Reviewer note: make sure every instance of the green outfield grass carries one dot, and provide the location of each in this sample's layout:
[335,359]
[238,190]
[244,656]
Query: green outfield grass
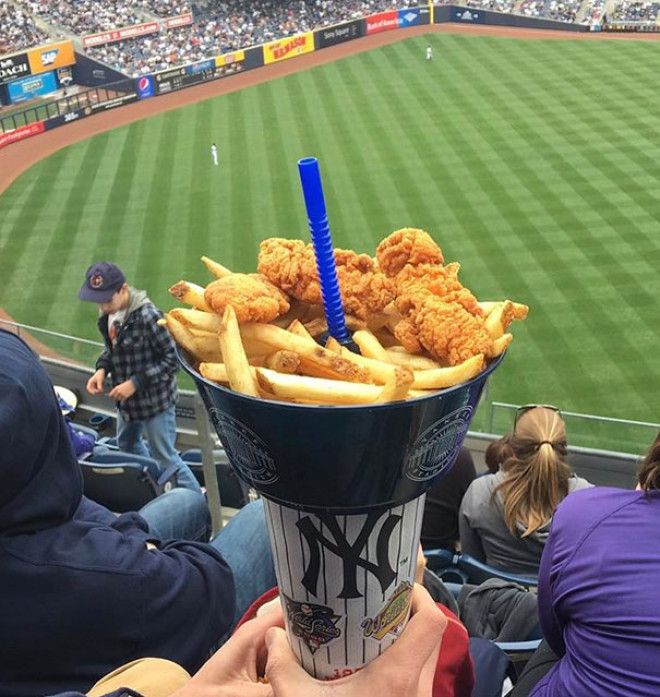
[536,164]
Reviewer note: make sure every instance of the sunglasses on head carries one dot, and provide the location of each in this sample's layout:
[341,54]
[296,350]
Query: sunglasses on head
[528,407]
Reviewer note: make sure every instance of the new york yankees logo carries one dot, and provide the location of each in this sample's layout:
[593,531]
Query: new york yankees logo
[350,554]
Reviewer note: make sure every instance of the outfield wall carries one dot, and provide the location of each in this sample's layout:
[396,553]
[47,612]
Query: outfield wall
[228,64]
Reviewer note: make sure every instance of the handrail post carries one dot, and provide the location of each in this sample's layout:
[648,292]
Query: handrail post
[208,465]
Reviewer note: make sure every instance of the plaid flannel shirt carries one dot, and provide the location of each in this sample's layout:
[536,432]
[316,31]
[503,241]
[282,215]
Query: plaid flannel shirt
[144,353]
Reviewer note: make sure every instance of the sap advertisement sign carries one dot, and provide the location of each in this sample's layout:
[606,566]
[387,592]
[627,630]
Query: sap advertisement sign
[32,86]
[145,86]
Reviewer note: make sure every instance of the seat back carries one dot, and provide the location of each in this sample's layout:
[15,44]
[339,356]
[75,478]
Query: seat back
[102,456]
[119,486]
[462,568]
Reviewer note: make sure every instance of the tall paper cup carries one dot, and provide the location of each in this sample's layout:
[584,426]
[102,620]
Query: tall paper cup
[344,490]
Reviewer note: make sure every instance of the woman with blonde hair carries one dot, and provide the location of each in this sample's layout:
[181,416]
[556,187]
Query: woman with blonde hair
[505,517]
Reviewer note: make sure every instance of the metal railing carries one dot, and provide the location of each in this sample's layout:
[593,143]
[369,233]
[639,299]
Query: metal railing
[492,417]
[91,99]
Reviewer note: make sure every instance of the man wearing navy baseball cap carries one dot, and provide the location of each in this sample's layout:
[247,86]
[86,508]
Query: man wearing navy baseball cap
[140,360]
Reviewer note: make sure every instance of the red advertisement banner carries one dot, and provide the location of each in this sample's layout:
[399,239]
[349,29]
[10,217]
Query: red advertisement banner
[32,129]
[107,37]
[384,21]
[179,21]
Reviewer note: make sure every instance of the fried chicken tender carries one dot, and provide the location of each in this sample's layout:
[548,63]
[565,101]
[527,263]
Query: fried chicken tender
[440,315]
[407,246]
[252,296]
[291,266]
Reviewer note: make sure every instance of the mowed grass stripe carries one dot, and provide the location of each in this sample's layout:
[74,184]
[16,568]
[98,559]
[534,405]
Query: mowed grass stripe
[54,269]
[150,252]
[322,136]
[43,196]
[618,345]
[599,257]
[502,200]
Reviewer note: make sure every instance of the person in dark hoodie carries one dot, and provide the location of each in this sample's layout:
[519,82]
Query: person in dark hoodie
[505,517]
[141,361]
[83,591]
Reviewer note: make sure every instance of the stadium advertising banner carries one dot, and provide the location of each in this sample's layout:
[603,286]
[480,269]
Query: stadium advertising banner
[145,86]
[21,133]
[384,21]
[462,14]
[108,37]
[332,36]
[288,48]
[13,67]
[50,57]
[414,16]
[32,86]
[111,104]
[179,21]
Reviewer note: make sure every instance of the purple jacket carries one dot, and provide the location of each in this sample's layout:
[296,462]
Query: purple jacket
[599,604]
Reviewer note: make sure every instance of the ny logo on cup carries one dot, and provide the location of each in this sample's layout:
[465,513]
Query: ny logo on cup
[349,554]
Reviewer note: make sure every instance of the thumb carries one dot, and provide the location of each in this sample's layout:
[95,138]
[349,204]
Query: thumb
[283,671]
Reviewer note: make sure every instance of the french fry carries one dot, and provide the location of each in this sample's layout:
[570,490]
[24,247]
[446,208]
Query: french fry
[370,346]
[333,345]
[501,344]
[283,361]
[441,378]
[239,372]
[318,325]
[397,387]
[190,294]
[520,311]
[499,319]
[217,270]
[217,372]
[316,390]
[376,371]
[196,319]
[298,328]
[331,364]
[411,360]
[180,334]
[207,348]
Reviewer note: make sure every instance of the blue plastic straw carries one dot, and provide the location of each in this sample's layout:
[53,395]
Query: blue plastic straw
[310,178]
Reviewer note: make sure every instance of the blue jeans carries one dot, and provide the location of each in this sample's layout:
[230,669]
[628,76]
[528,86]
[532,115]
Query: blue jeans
[161,434]
[243,542]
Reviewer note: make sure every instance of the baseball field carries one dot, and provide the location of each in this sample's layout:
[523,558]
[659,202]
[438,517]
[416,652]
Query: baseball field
[536,164]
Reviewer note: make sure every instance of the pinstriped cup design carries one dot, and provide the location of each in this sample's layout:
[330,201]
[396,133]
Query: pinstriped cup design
[345,581]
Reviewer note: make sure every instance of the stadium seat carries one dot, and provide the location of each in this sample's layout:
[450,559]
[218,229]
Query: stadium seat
[124,482]
[462,568]
[85,430]
[233,492]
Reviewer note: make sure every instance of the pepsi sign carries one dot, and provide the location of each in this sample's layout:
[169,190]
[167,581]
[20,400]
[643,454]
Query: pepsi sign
[145,86]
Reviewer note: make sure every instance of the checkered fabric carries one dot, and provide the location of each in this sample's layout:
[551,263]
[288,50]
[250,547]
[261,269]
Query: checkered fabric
[142,352]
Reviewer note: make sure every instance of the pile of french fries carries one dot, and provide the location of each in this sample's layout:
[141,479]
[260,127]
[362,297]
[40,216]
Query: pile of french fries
[283,360]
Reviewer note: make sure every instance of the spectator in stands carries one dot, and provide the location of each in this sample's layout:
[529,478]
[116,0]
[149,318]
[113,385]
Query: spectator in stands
[18,30]
[497,453]
[505,517]
[83,591]
[440,523]
[141,360]
[598,594]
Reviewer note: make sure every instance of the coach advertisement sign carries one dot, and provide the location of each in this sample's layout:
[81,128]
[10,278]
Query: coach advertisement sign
[13,67]
[288,48]
[339,33]
[384,21]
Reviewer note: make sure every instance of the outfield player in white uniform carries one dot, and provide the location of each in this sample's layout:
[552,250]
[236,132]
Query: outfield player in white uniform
[429,53]
[214,154]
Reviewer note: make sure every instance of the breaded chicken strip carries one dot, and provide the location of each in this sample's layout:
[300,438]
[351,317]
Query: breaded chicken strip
[291,266]
[252,296]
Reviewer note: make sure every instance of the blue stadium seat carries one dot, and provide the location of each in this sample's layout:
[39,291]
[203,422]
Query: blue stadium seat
[462,568]
[85,429]
[123,484]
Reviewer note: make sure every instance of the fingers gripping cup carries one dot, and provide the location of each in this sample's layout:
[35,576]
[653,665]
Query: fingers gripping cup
[344,492]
